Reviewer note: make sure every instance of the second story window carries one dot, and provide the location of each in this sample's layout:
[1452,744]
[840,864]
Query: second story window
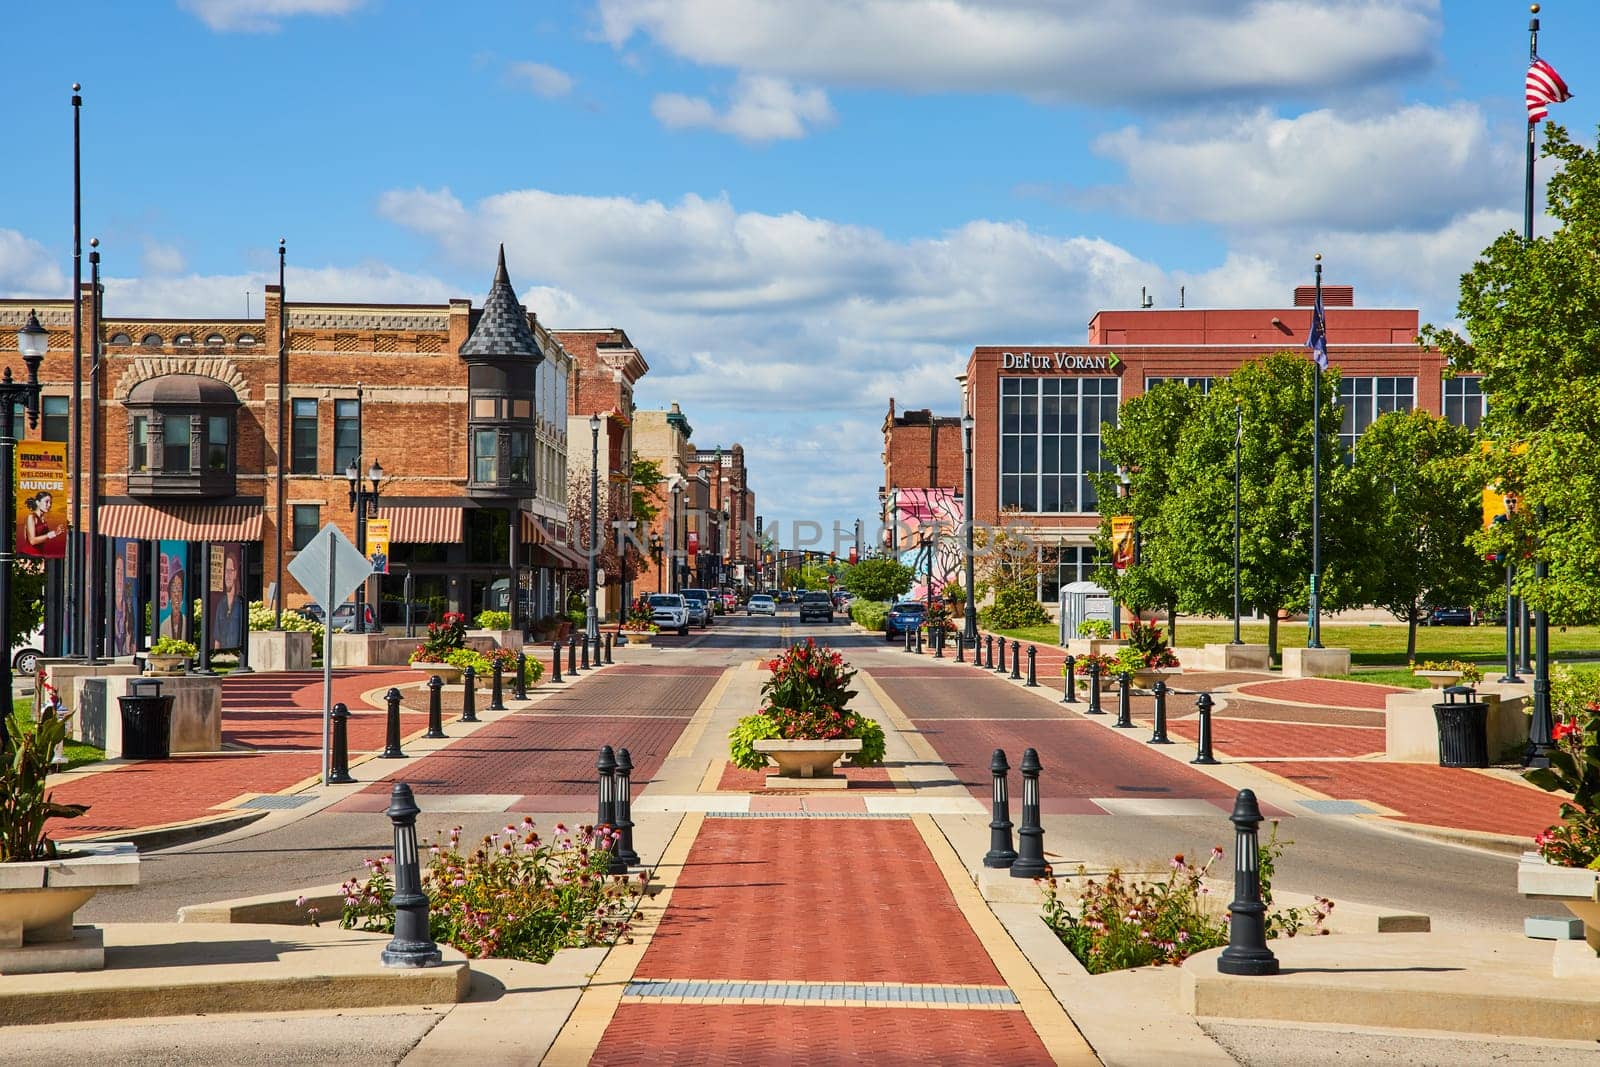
[181,437]
[485,456]
[55,418]
[1464,402]
[175,435]
[500,431]
[346,434]
[303,447]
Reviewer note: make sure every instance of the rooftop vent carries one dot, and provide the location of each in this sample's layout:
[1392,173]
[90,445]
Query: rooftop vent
[1333,296]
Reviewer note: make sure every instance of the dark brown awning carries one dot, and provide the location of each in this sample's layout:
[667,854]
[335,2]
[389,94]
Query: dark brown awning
[182,522]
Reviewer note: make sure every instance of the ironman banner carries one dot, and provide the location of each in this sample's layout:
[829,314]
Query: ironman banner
[41,499]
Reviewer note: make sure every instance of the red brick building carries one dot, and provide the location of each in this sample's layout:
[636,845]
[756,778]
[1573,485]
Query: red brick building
[1039,408]
[921,452]
[725,525]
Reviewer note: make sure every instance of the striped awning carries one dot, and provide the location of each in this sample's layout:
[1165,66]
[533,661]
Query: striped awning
[182,522]
[423,524]
[546,548]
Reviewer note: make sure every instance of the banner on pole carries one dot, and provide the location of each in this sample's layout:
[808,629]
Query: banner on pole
[378,545]
[1121,542]
[41,499]
[225,597]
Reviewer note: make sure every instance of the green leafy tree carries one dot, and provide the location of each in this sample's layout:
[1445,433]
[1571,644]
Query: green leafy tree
[647,478]
[1418,471]
[879,578]
[1529,311]
[27,597]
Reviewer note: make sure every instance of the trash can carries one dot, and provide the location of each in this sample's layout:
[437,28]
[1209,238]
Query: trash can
[146,720]
[1463,728]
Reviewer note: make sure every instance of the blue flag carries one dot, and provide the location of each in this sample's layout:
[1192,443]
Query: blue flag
[1318,341]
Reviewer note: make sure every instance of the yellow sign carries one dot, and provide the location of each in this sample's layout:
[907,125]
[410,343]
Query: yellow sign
[378,545]
[1496,505]
[41,499]
[1121,542]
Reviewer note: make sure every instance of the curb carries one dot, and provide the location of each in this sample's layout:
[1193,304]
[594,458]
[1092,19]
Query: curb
[1503,844]
[159,837]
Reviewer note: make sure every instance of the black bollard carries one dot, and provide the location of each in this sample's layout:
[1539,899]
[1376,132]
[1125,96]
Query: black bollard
[412,945]
[1203,741]
[1016,661]
[1000,855]
[391,732]
[598,646]
[1000,667]
[961,647]
[1159,736]
[497,688]
[623,856]
[1124,701]
[1069,691]
[909,639]
[339,756]
[1030,835]
[1033,678]
[605,768]
[520,686]
[555,662]
[1247,952]
[1094,707]
[469,699]
[938,643]
[572,656]
[583,662]
[609,639]
[919,640]
[988,651]
[435,707]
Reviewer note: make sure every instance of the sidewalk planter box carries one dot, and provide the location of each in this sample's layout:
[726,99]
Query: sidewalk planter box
[1146,679]
[511,639]
[447,674]
[639,638]
[194,724]
[64,675]
[373,650]
[1093,646]
[166,666]
[280,650]
[1411,730]
[1576,887]
[807,760]
[1316,662]
[1439,679]
[1231,657]
[38,900]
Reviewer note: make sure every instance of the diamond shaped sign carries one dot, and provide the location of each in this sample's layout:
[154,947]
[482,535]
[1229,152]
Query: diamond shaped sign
[330,568]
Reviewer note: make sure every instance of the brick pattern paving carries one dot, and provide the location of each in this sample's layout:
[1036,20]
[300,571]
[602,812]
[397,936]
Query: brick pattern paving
[618,692]
[1240,708]
[303,689]
[1324,691]
[738,780]
[1243,739]
[1440,796]
[959,695]
[155,792]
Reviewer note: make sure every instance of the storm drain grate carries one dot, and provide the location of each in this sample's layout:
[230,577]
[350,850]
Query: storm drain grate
[276,803]
[790,992]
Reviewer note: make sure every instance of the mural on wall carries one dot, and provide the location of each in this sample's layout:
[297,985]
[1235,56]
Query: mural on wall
[926,511]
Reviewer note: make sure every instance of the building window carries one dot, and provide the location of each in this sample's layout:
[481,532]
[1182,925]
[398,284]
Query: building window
[152,340]
[56,419]
[1071,563]
[485,456]
[1464,402]
[1364,399]
[218,447]
[346,434]
[183,339]
[1202,384]
[139,450]
[246,340]
[521,471]
[303,446]
[120,339]
[215,340]
[175,436]
[307,521]
[1050,441]
[181,436]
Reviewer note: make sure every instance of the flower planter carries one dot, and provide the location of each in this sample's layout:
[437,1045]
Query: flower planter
[1576,887]
[1439,679]
[159,665]
[1146,679]
[447,674]
[800,761]
[641,638]
[38,900]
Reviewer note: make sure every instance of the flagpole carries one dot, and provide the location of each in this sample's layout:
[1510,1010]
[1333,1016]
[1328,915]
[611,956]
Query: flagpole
[1540,742]
[1527,187]
[1314,631]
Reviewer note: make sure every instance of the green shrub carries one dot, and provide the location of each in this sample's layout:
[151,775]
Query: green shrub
[173,646]
[493,620]
[1014,607]
[462,658]
[579,618]
[444,637]
[872,744]
[262,618]
[745,734]
[1098,629]
[25,807]
[869,614]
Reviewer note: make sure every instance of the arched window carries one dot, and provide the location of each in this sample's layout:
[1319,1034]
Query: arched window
[120,339]
[215,340]
[183,339]
[246,340]
[152,340]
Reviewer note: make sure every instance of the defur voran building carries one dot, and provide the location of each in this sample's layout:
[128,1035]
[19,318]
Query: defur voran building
[1039,408]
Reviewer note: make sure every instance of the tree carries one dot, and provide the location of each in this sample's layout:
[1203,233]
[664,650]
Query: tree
[647,478]
[879,578]
[1005,554]
[1418,471]
[1196,514]
[1529,310]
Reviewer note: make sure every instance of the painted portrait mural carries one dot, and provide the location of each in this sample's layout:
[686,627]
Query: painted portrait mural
[924,511]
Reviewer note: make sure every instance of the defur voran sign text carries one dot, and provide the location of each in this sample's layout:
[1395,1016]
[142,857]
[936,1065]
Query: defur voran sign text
[1063,361]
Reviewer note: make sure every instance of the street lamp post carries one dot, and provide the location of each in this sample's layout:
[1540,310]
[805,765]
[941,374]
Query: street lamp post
[1124,486]
[625,538]
[32,341]
[655,556]
[1238,444]
[970,629]
[1510,677]
[672,547]
[364,502]
[592,627]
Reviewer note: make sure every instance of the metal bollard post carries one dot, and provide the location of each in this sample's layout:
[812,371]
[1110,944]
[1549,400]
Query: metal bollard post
[988,651]
[391,732]
[605,768]
[622,796]
[1247,952]
[1159,736]
[908,640]
[1033,678]
[339,756]
[919,640]
[1016,661]
[555,662]
[1000,667]
[1030,835]
[598,648]
[1069,691]
[412,945]
[610,640]
[497,688]
[469,699]
[584,661]
[520,686]
[1000,855]
[938,643]
[1094,707]
[572,656]
[435,707]
[961,647]
[1124,702]
[1203,742]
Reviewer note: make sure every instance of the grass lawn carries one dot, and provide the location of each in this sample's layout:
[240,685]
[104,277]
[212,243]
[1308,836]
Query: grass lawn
[77,753]
[1372,644]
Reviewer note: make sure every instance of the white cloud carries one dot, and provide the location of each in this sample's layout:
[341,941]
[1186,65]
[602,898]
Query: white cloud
[159,258]
[261,16]
[1104,53]
[224,294]
[26,268]
[547,81]
[761,109]
[1419,166]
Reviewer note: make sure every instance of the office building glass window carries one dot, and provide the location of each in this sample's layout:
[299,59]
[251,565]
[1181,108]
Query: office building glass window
[1063,565]
[303,445]
[55,420]
[346,434]
[1464,402]
[139,458]
[1050,439]
[1202,384]
[485,456]
[1362,400]
[175,445]
[307,521]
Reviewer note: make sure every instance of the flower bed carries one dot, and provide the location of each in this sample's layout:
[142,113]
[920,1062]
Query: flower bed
[805,698]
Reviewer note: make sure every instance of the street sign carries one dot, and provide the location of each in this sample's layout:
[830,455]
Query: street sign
[330,566]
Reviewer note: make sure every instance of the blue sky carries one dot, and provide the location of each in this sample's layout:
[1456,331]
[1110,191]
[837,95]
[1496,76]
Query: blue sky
[796,208]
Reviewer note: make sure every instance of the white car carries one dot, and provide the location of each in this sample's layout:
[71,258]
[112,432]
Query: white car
[26,652]
[670,612]
[761,604]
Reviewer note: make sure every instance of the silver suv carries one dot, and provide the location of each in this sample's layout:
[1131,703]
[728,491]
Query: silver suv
[699,601]
[668,611]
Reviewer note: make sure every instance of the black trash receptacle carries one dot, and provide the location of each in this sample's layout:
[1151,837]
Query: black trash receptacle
[1463,728]
[146,720]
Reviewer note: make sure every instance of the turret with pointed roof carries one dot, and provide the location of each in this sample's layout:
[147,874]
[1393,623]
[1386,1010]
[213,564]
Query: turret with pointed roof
[502,331]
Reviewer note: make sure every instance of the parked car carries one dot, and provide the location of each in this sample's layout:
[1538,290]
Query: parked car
[816,605]
[761,604]
[344,616]
[700,609]
[670,612]
[1449,617]
[26,652]
[903,618]
[730,601]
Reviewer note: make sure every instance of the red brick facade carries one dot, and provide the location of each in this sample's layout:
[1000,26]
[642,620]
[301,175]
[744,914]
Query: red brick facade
[921,450]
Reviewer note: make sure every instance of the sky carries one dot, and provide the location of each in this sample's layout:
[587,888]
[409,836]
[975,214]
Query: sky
[795,208]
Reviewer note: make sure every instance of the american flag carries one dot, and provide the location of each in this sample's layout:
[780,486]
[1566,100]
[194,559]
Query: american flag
[1544,87]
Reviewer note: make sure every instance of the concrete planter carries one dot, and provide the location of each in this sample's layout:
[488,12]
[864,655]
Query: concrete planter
[38,900]
[1576,887]
[807,761]
[1439,679]
[1094,646]
[447,674]
[280,650]
[639,638]
[165,665]
[1146,679]
[1316,662]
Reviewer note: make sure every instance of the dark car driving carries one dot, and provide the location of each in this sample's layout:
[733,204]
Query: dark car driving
[1450,617]
[816,606]
[903,618]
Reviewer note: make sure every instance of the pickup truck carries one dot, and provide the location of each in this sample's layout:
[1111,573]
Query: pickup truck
[670,612]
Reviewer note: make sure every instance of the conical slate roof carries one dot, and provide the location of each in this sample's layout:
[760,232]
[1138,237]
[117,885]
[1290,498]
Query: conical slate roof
[502,330]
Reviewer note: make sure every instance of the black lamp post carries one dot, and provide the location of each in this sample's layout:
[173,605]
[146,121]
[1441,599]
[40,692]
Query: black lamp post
[1511,602]
[33,342]
[592,624]
[970,629]
[364,502]
[1238,444]
[655,557]
[672,549]
[1124,486]
[625,529]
